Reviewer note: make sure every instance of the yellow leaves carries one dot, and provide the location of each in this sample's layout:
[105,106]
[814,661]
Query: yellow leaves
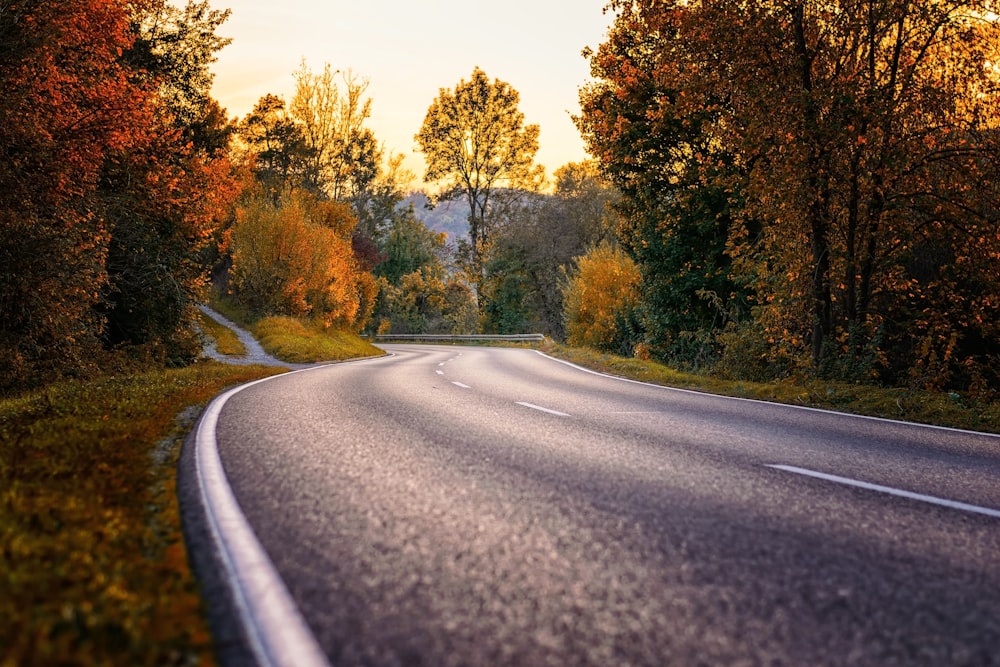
[601,289]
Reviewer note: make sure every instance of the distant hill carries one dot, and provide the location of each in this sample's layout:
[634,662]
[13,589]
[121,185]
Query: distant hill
[452,217]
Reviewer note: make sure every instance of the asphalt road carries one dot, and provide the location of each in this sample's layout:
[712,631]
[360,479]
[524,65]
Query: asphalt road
[474,506]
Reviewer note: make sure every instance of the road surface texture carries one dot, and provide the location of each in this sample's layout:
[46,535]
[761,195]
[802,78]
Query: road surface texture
[475,506]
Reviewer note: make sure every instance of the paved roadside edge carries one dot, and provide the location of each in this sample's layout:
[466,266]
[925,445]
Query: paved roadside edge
[252,616]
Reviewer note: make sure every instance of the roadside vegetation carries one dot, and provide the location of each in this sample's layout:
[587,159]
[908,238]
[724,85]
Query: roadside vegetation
[95,568]
[299,342]
[948,409]
[90,536]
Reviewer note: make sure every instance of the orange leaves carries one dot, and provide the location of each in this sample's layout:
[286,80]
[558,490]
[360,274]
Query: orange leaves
[288,260]
[67,104]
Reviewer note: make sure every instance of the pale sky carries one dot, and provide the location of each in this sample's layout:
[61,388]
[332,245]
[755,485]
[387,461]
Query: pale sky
[409,50]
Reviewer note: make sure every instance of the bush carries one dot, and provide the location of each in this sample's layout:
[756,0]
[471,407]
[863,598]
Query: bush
[600,296]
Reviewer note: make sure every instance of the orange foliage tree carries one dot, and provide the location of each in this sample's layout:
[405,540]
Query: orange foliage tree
[294,257]
[599,296]
[68,103]
[106,190]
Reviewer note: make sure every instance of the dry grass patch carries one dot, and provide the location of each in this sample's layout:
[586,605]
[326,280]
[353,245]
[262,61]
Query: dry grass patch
[226,340]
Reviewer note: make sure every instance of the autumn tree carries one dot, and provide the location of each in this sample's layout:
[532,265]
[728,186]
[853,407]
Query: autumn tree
[166,194]
[854,146]
[294,257]
[343,154]
[106,188]
[676,178]
[68,103]
[600,293]
[475,141]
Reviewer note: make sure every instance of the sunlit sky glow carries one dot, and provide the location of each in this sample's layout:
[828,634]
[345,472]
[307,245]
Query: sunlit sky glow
[410,50]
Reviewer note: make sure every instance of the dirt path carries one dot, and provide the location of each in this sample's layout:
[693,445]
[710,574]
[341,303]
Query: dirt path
[255,353]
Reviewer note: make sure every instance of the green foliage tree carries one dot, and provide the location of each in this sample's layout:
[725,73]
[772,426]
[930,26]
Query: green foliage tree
[677,179]
[278,150]
[409,246]
[535,241]
[178,46]
[475,141]
[419,294]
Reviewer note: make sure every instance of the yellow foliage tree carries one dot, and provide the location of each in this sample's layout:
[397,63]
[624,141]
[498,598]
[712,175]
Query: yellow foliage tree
[599,293]
[294,257]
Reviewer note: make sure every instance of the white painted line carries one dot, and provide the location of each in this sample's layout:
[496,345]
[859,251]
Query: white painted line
[740,399]
[278,634]
[953,504]
[439,372]
[463,386]
[538,407]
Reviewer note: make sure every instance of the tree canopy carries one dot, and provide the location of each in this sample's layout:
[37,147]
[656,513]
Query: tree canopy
[847,153]
[474,140]
[106,191]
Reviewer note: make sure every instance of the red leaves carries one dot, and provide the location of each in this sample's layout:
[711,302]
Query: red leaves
[83,148]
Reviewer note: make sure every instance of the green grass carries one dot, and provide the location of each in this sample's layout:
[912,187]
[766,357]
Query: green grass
[94,567]
[949,409]
[298,341]
[226,340]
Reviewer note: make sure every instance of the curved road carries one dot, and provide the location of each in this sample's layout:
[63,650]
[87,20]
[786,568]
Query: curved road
[476,506]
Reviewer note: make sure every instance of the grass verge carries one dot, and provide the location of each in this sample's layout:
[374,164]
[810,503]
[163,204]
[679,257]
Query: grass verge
[94,565]
[299,342]
[951,409]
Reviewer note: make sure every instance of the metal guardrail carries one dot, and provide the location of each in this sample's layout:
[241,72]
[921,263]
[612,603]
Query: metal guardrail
[519,338]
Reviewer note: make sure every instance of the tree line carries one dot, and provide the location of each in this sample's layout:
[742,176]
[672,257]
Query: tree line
[808,187]
[126,193]
[776,188]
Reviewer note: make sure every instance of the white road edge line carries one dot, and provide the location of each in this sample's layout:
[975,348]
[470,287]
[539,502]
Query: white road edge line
[278,634]
[538,407]
[953,504]
[790,406]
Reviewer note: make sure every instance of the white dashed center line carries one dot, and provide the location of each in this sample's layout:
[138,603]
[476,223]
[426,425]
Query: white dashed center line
[463,386]
[538,407]
[952,504]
